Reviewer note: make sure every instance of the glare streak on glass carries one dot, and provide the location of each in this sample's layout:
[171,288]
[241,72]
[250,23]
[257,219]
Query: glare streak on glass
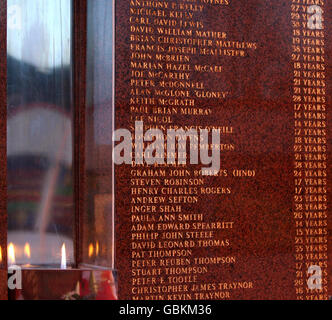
[39,130]
[98,219]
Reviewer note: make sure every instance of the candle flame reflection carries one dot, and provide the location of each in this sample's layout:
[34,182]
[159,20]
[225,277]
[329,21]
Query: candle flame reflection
[11,254]
[91,249]
[63,257]
[27,250]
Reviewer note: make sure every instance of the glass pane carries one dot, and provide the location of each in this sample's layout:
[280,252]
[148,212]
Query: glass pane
[98,215]
[40,128]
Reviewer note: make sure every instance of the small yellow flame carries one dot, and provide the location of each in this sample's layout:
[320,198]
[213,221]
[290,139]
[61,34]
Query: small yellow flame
[91,249]
[27,250]
[0,254]
[97,248]
[11,254]
[63,257]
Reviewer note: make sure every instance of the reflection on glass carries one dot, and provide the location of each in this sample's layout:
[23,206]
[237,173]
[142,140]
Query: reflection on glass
[97,226]
[39,129]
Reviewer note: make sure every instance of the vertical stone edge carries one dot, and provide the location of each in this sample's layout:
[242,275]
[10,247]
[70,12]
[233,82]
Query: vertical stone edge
[3,152]
[79,100]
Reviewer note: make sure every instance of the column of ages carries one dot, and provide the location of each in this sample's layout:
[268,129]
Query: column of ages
[310,162]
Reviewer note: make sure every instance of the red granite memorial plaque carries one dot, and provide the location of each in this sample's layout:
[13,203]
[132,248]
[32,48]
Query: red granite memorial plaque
[222,189]
[259,72]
